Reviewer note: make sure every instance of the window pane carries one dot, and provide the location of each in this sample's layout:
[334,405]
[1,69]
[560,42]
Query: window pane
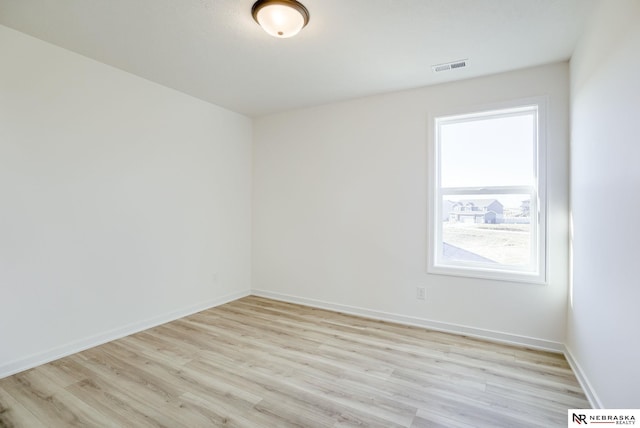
[490,229]
[494,151]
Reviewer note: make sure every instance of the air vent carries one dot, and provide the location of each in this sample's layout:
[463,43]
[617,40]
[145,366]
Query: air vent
[450,65]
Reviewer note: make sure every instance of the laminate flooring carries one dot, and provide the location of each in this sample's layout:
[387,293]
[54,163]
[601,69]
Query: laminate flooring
[257,362]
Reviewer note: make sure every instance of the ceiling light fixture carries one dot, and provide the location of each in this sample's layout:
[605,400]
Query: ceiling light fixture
[280,18]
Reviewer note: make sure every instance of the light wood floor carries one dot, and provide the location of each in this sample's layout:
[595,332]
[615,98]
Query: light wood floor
[260,363]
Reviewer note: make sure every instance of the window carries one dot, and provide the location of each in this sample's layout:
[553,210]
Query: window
[487,194]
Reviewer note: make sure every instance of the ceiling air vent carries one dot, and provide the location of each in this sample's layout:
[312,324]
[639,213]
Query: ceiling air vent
[450,65]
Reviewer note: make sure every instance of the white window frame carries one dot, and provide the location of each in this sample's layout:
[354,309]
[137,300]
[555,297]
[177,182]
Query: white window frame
[536,274]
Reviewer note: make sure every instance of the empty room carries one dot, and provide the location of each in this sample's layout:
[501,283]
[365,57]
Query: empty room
[319,213]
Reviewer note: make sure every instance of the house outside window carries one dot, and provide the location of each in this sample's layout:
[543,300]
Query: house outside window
[487,193]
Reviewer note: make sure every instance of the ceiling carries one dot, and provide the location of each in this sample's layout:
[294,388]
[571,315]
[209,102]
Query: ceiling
[213,50]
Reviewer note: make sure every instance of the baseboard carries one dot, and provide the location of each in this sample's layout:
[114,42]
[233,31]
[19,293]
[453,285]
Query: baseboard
[582,379]
[99,339]
[494,336]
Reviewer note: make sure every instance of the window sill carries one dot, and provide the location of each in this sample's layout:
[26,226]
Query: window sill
[489,274]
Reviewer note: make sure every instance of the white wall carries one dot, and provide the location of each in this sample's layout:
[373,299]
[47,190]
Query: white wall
[122,203]
[340,206]
[604,319]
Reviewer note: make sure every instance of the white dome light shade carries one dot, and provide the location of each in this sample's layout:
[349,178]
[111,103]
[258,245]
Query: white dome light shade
[280,18]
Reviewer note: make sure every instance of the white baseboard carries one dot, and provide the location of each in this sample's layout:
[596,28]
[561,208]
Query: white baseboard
[494,336]
[582,379]
[35,360]
[99,339]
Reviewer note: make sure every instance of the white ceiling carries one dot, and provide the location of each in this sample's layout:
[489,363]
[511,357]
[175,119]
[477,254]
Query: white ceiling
[213,50]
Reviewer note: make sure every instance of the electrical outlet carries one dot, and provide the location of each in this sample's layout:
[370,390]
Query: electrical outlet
[420,293]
